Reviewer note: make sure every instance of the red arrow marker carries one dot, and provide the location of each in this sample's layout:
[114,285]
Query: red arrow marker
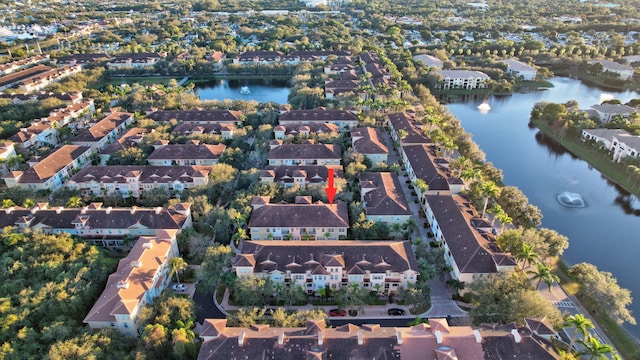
[331,191]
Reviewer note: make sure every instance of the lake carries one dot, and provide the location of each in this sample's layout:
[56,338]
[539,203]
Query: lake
[261,90]
[606,233]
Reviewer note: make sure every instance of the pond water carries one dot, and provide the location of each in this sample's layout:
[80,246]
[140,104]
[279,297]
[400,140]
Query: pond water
[260,90]
[606,232]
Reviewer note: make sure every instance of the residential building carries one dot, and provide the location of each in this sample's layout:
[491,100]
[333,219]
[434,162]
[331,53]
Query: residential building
[303,219]
[299,174]
[337,88]
[406,130]
[134,61]
[606,112]
[13,79]
[343,118]
[7,151]
[382,197]
[625,72]
[52,171]
[194,130]
[421,162]
[620,142]
[342,65]
[289,131]
[129,139]
[462,79]
[82,59]
[469,246]
[17,65]
[383,266]
[104,132]
[369,142]
[67,98]
[191,153]
[428,60]
[521,70]
[139,278]
[258,57]
[134,180]
[42,80]
[98,225]
[198,116]
[216,58]
[433,340]
[270,57]
[307,153]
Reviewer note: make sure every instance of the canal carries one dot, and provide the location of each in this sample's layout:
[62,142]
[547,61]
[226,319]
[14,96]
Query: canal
[607,232]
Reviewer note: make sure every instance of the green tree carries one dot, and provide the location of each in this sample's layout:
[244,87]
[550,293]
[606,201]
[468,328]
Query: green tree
[580,323]
[75,202]
[527,255]
[216,263]
[604,290]
[488,190]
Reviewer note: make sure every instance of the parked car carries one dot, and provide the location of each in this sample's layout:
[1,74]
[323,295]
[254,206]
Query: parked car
[337,312]
[395,312]
[179,287]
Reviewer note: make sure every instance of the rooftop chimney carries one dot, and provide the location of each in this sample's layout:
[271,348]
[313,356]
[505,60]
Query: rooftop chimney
[241,338]
[438,336]
[516,335]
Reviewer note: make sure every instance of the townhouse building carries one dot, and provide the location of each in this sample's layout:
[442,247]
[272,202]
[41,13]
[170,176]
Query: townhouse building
[382,198]
[140,277]
[52,171]
[198,116]
[302,220]
[625,72]
[369,142]
[99,135]
[343,118]
[133,61]
[300,175]
[131,138]
[469,245]
[435,339]
[307,153]
[134,180]
[42,80]
[304,131]
[98,225]
[226,131]
[191,153]
[382,266]
[606,112]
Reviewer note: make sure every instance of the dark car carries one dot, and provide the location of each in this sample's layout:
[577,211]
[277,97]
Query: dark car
[337,312]
[395,312]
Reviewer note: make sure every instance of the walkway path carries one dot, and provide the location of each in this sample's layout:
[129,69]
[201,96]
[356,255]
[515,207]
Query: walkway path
[184,80]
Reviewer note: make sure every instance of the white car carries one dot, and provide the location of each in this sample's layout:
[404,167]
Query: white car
[179,287]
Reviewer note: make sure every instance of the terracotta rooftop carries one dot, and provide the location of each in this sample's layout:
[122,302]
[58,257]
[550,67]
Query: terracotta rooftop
[368,141]
[318,214]
[382,193]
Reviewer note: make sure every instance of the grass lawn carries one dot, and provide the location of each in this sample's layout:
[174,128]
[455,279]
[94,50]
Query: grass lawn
[596,158]
[628,347]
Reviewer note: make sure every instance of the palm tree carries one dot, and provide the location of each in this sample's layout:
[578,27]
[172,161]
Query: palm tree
[495,210]
[487,190]
[177,264]
[186,326]
[7,203]
[504,219]
[527,255]
[543,273]
[594,349]
[580,324]
[397,228]
[75,202]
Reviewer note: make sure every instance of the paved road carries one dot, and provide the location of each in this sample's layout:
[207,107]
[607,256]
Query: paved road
[206,308]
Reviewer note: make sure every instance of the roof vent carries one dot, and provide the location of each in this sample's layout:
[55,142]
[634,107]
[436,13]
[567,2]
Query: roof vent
[123,284]
[147,245]
[399,337]
[136,263]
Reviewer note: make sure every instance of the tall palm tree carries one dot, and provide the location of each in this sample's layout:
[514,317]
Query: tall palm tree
[488,189]
[580,324]
[504,219]
[527,255]
[594,349]
[177,264]
[543,273]
[495,210]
